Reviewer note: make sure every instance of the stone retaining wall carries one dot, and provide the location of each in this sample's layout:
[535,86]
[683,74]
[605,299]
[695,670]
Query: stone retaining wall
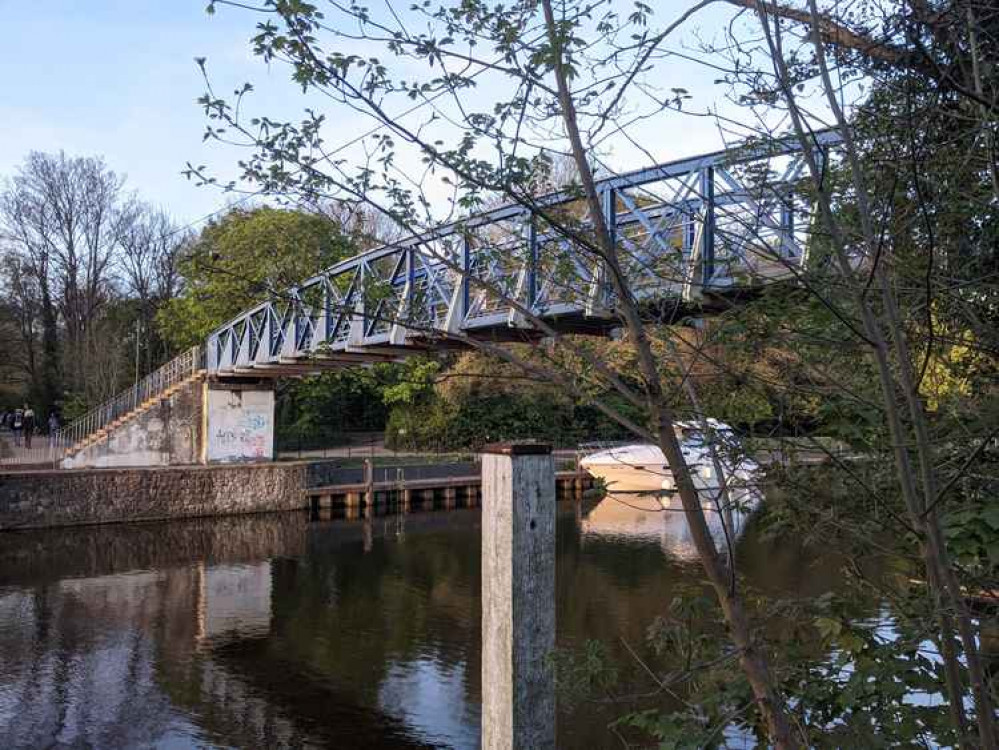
[39,499]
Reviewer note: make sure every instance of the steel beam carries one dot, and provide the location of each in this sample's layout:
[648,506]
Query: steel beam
[277,332]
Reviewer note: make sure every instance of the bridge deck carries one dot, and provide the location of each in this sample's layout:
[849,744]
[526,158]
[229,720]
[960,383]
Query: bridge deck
[693,236]
[687,233]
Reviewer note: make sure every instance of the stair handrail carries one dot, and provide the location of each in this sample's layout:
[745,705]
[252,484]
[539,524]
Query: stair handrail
[179,368]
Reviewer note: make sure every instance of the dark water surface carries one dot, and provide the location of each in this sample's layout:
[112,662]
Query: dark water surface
[276,631]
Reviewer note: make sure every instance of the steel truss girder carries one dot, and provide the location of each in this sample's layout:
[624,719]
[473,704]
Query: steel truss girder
[713,228]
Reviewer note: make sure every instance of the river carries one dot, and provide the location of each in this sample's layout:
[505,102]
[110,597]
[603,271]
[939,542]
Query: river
[279,631]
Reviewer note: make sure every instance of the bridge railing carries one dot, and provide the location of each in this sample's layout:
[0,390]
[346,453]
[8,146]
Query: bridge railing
[733,219]
[179,368]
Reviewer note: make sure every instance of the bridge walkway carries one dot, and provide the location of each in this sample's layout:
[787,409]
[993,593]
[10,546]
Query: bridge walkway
[694,235]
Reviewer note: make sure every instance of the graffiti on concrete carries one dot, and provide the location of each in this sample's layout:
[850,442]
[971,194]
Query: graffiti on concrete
[240,425]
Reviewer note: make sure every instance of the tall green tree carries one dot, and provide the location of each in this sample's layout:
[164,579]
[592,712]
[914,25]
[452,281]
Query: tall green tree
[242,258]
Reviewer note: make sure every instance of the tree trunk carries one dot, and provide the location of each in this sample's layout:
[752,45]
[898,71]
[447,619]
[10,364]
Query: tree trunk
[939,572]
[752,659]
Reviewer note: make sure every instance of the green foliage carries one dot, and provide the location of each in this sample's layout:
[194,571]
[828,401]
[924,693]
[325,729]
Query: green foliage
[243,258]
[423,427]
[970,512]
[579,674]
[315,411]
[471,422]
[477,400]
[74,405]
[972,535]
[413,384]
[772,373]
[672,730]
[741,404]
[872,687]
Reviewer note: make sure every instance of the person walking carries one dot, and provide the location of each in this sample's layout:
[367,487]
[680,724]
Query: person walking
[53,429]
[17,425]
[29,425]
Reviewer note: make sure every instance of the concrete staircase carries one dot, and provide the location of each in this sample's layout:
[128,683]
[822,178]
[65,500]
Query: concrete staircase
[105,432]
[99,423]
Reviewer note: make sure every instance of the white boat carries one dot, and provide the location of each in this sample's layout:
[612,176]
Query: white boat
[642,467]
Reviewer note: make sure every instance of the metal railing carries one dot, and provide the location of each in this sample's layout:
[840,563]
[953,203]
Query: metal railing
[180,368]
[15,452]
[732,220]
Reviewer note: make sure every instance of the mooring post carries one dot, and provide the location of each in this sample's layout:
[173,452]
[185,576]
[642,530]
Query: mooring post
[518,597]
[579,479]
[369,482]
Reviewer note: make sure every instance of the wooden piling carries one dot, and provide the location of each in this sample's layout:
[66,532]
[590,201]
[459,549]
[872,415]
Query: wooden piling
[518,597]
[369,483]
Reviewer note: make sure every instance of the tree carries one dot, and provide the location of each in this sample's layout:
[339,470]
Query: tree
[241,258]
[902,244]
[150,248]
[18,332]
[63,217]
[83,260]
[570,76]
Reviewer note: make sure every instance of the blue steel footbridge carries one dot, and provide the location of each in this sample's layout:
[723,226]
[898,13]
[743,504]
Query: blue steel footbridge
[713,225]
[689,234]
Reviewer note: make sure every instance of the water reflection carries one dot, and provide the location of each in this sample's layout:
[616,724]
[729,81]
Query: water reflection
[234,601]
[273,631]
[659,517]
[429,696]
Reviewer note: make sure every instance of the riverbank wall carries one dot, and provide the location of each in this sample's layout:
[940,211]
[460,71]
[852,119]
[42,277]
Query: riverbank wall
[42,499]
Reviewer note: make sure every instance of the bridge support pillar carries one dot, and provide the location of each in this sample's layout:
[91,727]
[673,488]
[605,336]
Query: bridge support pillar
[238,421]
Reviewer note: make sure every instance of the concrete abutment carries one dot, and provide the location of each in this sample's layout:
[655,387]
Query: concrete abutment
[202,421]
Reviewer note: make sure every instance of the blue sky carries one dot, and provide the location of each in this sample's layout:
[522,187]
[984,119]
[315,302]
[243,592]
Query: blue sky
[117,78]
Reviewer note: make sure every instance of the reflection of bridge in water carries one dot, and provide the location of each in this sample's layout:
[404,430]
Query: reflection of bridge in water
[271,631]
[148,649]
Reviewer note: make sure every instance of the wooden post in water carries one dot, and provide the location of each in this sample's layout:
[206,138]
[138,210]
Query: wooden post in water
[369,483]
[518,597]
[579,478]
